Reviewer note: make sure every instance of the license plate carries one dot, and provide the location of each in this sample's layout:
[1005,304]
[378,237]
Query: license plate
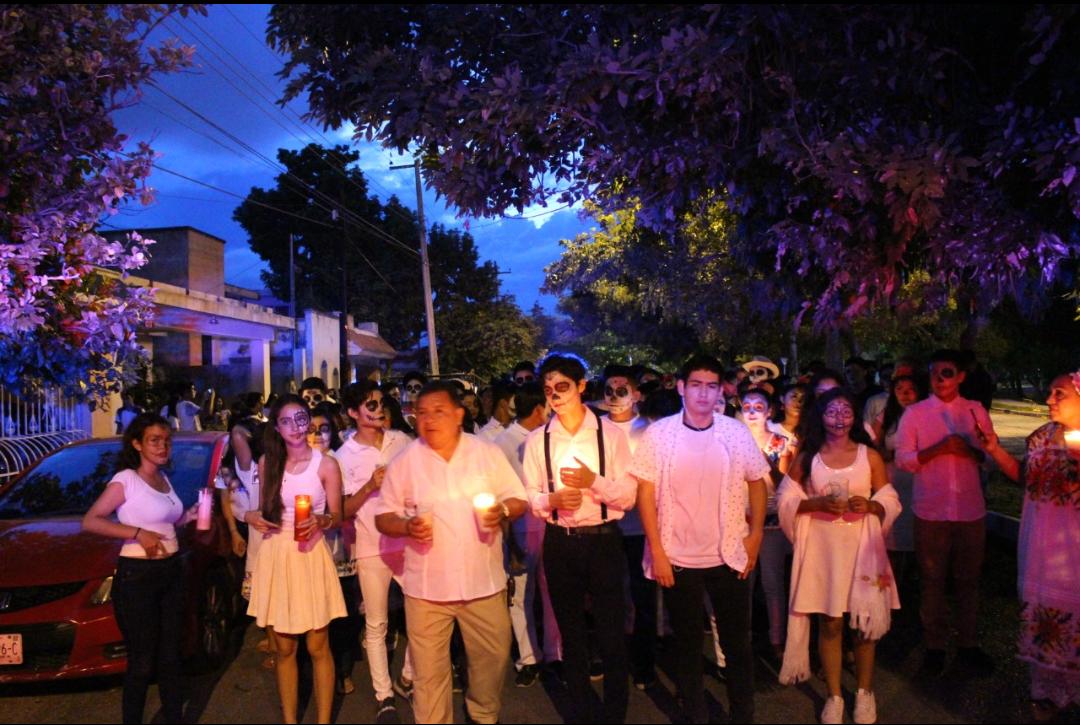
[11,649]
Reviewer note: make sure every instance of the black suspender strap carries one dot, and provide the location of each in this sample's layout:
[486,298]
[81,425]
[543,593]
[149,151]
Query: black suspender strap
[551,473]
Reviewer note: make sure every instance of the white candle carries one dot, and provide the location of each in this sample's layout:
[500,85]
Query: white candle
[206,509]
[481,503]
[1072,440]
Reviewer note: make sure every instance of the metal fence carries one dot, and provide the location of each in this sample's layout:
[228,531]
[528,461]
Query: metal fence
[33,427]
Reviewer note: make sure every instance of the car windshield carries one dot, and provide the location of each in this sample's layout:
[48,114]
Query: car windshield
[67,482]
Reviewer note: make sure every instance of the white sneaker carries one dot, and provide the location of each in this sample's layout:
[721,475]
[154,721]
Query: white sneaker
[833,712]
[865,707]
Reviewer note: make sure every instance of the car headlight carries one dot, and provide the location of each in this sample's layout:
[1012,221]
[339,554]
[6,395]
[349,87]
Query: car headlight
[103,595]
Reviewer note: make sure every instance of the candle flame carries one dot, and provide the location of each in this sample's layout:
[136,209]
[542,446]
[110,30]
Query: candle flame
[483,500]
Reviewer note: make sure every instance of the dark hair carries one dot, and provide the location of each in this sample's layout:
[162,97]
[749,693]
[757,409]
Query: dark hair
[527,398]
[701,362]
[523,366]
[648,388]
[779,414]
[948,355]
[812,427]
[170,407]
[327,410]
[392,407]
[313,384]
[866,365]
[414,375]
[620,371]
[500,392]
[893,409]
[442,386]
[356,394]
[565,364]
[661,403]
[274,459]
[129,457]
[752,389]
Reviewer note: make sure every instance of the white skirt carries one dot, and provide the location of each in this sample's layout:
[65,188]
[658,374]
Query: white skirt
[295,586]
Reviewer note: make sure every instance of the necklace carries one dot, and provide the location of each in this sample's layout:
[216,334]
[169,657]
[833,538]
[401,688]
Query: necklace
[302,463]
[694,427]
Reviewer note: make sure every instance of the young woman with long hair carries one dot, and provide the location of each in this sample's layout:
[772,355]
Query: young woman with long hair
[295,589]
[833,505]
[148,587]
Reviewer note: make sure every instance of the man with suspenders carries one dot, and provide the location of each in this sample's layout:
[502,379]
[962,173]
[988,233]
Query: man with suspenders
[576,480]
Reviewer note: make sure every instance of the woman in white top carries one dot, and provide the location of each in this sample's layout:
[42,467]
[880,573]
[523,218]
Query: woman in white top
[840,565]
[147,590]
[295,589]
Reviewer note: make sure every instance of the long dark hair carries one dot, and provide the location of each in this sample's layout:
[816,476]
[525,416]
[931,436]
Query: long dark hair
[129,457]
[274,455]
[397,420]
[893,409]
[813,427]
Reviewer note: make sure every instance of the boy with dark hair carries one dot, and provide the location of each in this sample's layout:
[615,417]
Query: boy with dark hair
[524,372]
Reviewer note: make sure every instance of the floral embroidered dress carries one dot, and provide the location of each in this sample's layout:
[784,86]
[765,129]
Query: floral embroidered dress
[1049,567]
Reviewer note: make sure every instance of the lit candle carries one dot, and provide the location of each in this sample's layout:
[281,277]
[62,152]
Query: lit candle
[1072,440]
[206,508]
[303,513]
[482,502]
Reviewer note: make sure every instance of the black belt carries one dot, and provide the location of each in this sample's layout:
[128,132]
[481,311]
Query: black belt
[606,528]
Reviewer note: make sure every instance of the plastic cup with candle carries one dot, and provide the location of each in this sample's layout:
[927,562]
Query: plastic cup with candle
[482,502]
[425,512]
[1072,441]
[206,509]
[303,513]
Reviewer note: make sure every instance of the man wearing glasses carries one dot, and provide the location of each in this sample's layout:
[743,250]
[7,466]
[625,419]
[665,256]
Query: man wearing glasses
[940,441]
[575,477]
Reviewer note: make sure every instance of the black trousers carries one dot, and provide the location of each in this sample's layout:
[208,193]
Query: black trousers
[730,597]
[643,595]
[148,599]
[590,566]
[345,631]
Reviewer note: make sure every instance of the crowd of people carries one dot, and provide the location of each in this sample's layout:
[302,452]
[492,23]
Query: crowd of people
[543,514]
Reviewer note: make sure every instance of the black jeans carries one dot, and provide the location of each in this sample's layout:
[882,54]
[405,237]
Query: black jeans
[730,598]
[593,566]
[643,594]
[345,631]
[148,599]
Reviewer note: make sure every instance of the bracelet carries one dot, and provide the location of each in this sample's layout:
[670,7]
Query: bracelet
[137,532]
[329,524]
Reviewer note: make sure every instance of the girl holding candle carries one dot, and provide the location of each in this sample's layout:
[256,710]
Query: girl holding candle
[840,565]
[1049,549]
[148,585]
[295,587]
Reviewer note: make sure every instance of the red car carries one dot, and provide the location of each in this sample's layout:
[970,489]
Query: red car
[56,614]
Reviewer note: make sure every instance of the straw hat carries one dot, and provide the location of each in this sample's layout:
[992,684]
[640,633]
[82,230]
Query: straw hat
[760,361]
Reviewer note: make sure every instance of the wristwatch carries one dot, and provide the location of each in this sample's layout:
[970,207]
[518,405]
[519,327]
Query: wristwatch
[505,510]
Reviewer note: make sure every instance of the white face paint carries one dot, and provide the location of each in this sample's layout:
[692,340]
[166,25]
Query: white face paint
[372,413]
[618,395]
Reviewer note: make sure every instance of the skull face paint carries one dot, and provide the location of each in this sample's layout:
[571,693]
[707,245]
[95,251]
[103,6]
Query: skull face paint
[372,413]
[619,395]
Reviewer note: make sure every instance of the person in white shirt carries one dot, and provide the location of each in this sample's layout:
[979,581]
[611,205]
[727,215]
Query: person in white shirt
[182,412]
[379,559]
[686,465]
[501,398]
[575,475]
[528,534]
[433,497]
[621,396]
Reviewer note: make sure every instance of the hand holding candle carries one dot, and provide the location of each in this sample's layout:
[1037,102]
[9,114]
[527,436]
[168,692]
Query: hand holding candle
[487,515]
[580,476]
[1072,443]
[422,525]
[301,529]
[206,509]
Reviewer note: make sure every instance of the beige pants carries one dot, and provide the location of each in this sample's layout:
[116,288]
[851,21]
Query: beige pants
[485,627]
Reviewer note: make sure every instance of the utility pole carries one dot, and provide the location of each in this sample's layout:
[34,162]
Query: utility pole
[429,307]
[292,278]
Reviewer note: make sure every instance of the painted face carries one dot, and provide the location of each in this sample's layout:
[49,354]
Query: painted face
[758,374]
[906,393]
[562,392]
[700,392]
[438,420]
[292,423]
[521,377]
[1064,402]
[945,379]
[618,395]
[318,433]
[312,396]
[755,410]
[155,444]
[371,413]
[838,417]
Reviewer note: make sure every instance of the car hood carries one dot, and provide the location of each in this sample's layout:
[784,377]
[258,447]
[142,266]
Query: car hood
[53,551]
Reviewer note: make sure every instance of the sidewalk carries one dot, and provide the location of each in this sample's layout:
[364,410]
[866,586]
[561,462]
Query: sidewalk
[1020,407]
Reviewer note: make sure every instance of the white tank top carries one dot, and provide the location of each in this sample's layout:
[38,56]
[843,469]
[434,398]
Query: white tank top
[856,476]
[147,508]
[307,482]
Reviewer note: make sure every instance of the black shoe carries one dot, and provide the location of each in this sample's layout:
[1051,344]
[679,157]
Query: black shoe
[933,663]
[553,673]
[596,670]
[975,661]
[526,676]
[386,711]
[645,680]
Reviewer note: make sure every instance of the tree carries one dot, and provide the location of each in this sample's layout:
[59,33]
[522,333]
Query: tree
[63,70]
[340,227]
[855,143]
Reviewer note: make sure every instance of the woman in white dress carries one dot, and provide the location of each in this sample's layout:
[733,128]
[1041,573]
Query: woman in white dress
[295,589]
[840,564]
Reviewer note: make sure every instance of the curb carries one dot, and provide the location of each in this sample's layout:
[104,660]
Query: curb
[1029,414]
